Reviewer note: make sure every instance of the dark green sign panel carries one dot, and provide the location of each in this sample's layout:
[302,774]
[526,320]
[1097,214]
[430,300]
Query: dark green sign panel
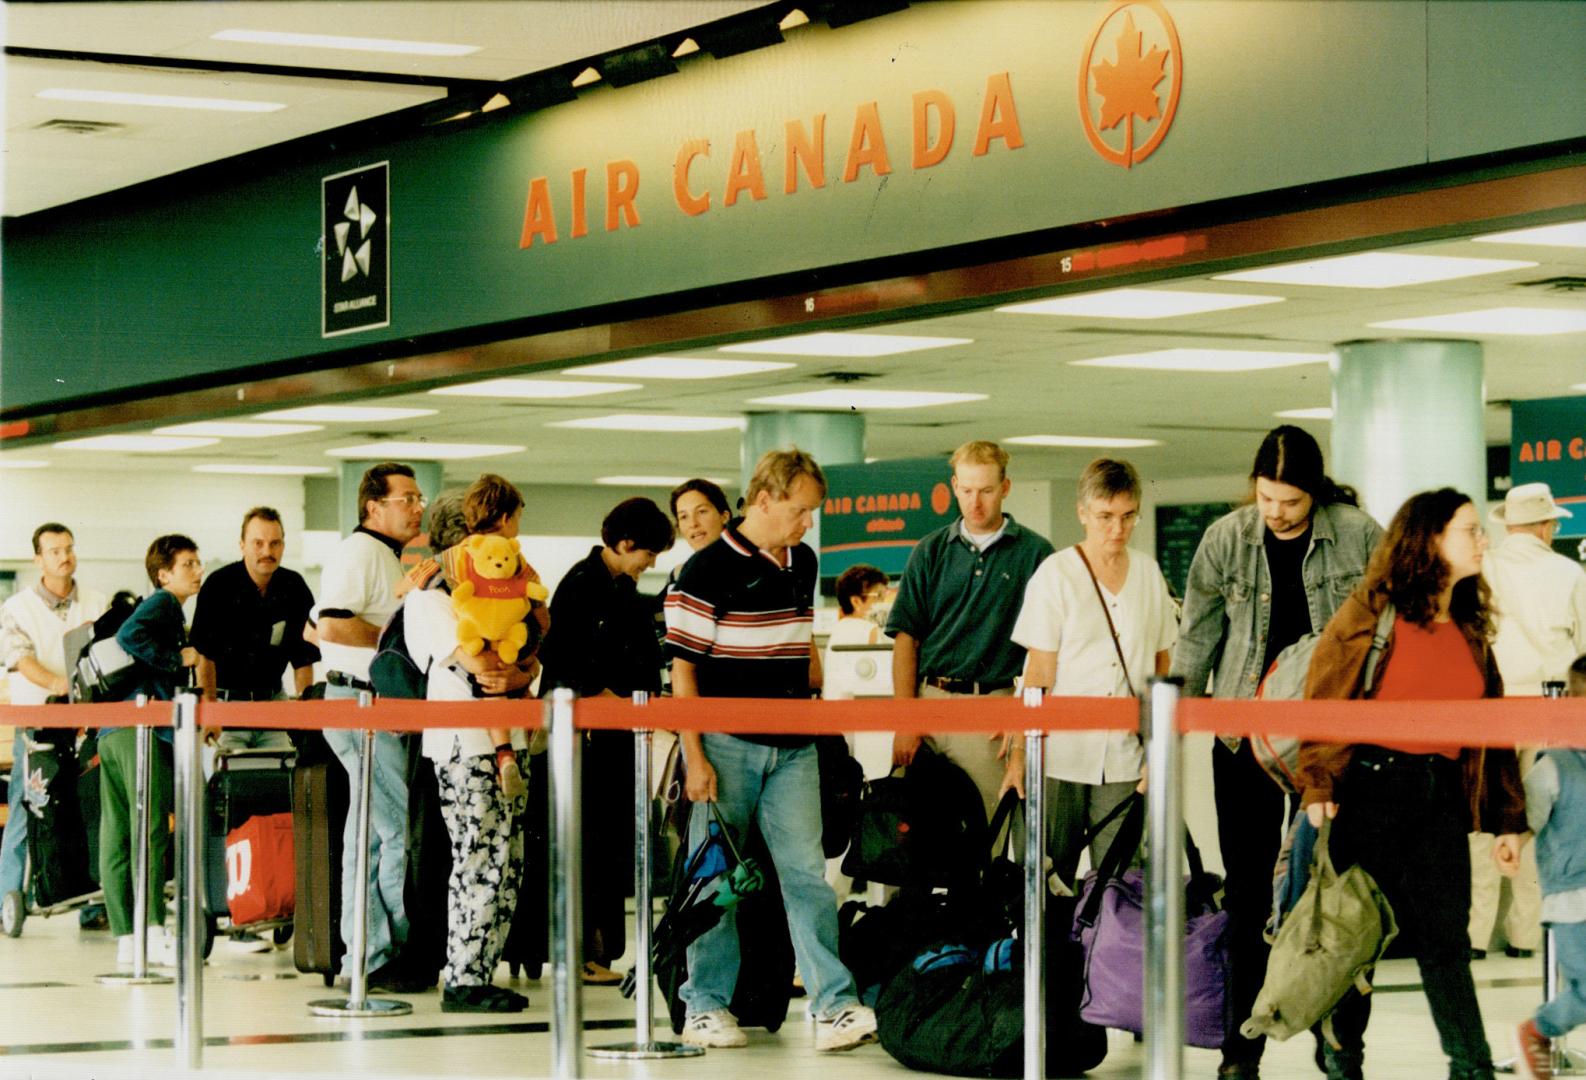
[876,513]
[1548,444]
[1178,533]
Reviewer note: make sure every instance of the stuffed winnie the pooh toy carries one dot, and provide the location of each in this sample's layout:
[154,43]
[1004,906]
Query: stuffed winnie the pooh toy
[494,593]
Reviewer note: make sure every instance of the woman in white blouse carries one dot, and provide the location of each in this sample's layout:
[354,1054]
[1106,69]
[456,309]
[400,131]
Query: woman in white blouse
[1097,621]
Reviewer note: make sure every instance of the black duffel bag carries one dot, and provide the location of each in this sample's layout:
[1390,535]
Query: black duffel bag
[925,828]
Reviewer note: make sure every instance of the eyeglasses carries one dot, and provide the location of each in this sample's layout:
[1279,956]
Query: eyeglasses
[409,499]
[1476,533]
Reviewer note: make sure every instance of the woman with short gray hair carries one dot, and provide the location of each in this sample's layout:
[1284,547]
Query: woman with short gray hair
[1097,621]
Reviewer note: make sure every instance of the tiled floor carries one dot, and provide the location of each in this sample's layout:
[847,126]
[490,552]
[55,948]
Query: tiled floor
[67,1025]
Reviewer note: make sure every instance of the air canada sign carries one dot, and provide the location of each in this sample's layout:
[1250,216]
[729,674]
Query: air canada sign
[1130,62]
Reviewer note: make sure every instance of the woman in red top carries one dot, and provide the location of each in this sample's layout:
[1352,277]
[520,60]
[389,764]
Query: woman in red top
[1408,803]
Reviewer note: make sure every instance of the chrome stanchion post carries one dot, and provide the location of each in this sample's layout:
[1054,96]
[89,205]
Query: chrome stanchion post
[1164,892]
[567,1016]
[357,1002]
[644,1044]
[189,790]
[1034,895]
[141,812]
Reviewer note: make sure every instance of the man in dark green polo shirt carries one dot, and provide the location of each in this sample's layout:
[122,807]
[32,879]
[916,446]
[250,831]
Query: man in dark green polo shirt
[953,619]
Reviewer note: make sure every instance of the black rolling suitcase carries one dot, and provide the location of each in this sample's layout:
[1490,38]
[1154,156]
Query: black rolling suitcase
[320,801]
[57,838]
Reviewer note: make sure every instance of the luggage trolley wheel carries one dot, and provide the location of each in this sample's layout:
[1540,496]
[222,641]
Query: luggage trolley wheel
[281,935]
[13,913]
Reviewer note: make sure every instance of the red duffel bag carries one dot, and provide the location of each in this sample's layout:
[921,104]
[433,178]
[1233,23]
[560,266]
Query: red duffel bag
[260,871]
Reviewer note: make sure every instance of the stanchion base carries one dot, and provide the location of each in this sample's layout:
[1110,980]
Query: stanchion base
[644,1050]
[127,978]
[369,1006]
[258,976]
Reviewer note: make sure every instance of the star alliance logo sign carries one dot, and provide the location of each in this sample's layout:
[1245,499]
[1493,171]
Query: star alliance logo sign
[355,250]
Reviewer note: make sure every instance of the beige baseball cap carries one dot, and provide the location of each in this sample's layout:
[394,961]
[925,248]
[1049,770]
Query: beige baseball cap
[1527,504]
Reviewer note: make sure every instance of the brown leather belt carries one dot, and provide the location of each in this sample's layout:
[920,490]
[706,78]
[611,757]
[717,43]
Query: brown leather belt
[967,686]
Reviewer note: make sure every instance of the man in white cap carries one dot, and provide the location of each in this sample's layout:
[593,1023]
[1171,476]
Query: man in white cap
[1539,597]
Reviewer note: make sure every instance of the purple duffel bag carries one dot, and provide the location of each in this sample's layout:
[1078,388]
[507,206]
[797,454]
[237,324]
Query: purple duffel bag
[1109,923]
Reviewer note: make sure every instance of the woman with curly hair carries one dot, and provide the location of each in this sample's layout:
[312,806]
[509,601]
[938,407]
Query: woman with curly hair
[1404,808]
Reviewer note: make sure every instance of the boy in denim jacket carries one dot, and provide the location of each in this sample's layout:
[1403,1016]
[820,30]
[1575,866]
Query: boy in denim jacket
[1555,806]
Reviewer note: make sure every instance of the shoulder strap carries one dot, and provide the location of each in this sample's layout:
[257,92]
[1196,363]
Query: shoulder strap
[1117,647]
[1379,647]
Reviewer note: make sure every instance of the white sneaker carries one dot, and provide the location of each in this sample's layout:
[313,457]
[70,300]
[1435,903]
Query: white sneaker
[718,1030]
[124,948]
[853,1026]
[162,948]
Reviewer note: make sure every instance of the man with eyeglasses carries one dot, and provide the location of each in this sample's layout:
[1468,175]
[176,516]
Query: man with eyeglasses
[358,594]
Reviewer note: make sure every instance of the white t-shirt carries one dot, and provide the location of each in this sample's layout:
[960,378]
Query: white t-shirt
[430,626]
[1062,615]
[361,576]
[849,630]
[45,631]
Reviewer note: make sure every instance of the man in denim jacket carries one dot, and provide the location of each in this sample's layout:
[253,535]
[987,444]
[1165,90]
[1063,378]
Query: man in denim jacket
[1264,576]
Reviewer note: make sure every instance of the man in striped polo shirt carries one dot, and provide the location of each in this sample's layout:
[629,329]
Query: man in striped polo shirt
[739,624]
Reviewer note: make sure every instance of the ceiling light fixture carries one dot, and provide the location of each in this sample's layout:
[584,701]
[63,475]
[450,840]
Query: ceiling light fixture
[1321,412]
[1139,304]
[848,345]
[687,47]
[651,481]
[133,444]
[1375,270]
[1207,360]
[534,388]
[1518,321]
[159,101]
[337,41]
[264,470]
[1567,234]
[346,414]
[846,398]
[793,18]
[497,101]
[588,77]
[236,429]
[680,367]
[1099,442]
[651,422]
[423,451]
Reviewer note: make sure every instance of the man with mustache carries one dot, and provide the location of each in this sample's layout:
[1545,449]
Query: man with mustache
[248,627]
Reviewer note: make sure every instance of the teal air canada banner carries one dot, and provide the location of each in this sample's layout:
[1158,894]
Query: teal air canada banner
[1548,445]
[876,513]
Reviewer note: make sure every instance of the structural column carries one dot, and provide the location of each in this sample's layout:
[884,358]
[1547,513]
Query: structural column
[1407,416]
[831,438]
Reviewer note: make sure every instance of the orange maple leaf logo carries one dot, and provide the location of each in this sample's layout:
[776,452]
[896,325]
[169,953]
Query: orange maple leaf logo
[1128,87]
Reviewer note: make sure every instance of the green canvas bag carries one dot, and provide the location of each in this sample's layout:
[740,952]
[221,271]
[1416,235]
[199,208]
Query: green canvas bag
[1331,941]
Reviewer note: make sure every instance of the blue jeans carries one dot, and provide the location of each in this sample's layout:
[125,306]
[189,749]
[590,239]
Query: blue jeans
[1566,1012]
[14,848]
[388,826]
[780,791]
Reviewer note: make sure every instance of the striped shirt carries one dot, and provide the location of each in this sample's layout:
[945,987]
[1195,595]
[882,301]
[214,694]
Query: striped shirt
[745,620]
